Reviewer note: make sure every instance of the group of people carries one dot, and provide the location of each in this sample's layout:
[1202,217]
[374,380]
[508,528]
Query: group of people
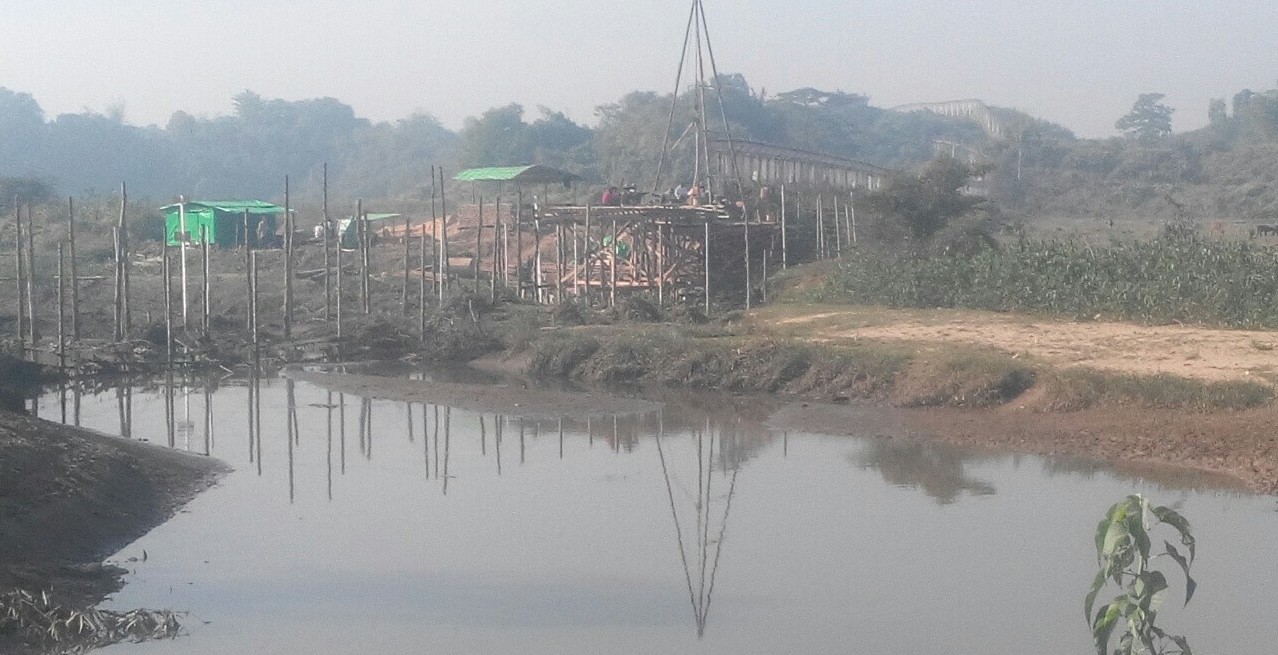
[628,195]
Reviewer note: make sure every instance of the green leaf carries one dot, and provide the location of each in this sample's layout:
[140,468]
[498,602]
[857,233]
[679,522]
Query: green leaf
[1140,537]
[1097,584]
[1103,624]
[1183,643]
[1150,589]
[1171,517]
[1190,585]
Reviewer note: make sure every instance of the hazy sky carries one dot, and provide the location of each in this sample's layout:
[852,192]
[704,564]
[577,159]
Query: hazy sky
[1080,63]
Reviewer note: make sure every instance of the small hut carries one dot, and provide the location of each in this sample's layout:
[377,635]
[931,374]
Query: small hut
[220,222]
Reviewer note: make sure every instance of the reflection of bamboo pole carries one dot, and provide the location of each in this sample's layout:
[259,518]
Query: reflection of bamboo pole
[448,439]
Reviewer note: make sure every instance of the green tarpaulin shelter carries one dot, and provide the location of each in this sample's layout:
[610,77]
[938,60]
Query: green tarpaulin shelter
[527,174]
[221,222]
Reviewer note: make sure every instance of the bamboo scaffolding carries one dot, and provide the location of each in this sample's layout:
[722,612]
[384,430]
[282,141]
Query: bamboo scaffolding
[288,262]
[20,274]
[75,272]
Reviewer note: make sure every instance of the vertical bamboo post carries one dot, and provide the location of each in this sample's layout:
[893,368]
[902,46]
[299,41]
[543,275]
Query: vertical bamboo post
[785,250]
[705,249]
[75,271]
[492,284]
[288,263]
[168,305]
[421,288]
[434,237]
[538,277]
[576,262]
[20,274]
[560,256]
[444,255]
[340,274]
[208,286]
[765,276]
[328,239]
[248,276]
[852,219]
[748,291]
[479,241]
[117,311]
[257,337]
[33,332]
[589,257]
[183,238]
[838,236]
[661,264]
[820,223]
[612,267]
[126,272]
[519,242]
[62,328]
[403,289]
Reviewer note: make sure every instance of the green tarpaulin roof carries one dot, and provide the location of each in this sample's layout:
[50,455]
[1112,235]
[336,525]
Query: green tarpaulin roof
[534,174]
[231,206]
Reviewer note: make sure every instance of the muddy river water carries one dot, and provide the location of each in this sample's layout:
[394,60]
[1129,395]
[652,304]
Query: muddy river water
[356,525]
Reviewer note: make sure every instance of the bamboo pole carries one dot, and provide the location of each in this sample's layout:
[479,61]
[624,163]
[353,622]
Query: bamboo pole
[403,289]
[75,274]
[539,278]
[838,236]
[661,265]
[208,286]
[328,239]
[421,288]
[479,241]
[62,328]
[444,289]
[434,237]
[492,284]
[184,237]
[257,336]
[590,260]
[612,267]
[33,332]
[785,250]
[340,274]
[706,251]
[20,274]
[288,263]
[126,273]
[117,306]
[248,276]
[168,305]
[852,220]
[820,222]
[748,291]
[560,263]
[576,262]
[519,242]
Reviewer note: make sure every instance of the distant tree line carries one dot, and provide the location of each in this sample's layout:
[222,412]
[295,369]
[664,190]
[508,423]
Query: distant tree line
[247,153]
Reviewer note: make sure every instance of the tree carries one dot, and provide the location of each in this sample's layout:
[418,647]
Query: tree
[1149,119]
[922,205]
[1216,113]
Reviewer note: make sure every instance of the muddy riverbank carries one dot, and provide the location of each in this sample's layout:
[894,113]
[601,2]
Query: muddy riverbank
[70,497]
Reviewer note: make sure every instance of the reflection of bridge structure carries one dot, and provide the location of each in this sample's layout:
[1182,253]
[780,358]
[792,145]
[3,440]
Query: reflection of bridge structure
[969,109]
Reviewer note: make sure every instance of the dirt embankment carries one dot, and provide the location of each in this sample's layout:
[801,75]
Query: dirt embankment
[70,497]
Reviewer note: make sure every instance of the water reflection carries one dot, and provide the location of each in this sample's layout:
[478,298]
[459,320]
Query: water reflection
[665,542]
[940,472]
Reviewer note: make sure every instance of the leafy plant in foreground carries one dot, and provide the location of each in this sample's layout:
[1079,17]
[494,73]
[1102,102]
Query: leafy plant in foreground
[1123,552]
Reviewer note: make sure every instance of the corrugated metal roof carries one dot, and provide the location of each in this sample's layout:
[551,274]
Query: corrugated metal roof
[231,206]
[527,174]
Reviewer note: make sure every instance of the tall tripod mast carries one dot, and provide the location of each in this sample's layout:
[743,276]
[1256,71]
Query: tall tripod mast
[698,33]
